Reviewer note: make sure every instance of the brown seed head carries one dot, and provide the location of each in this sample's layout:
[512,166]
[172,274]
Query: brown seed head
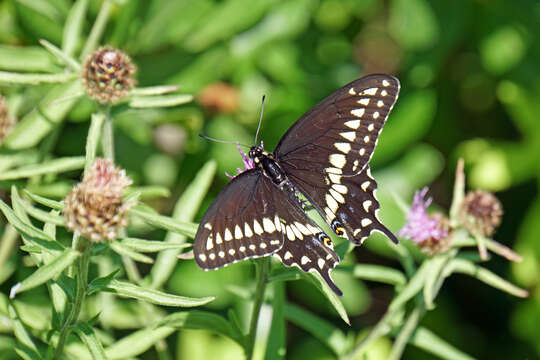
[481,212]
[95,207]
[6,121]
[107,75]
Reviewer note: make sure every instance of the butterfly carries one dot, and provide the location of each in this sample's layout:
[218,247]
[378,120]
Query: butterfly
[324,158]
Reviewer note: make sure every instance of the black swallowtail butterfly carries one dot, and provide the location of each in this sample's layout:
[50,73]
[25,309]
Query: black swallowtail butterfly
[325,157]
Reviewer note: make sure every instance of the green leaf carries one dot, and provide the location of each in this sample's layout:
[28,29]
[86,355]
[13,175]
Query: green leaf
[21,226]
[486,276]
[73,26]
[435,276]
[62,57]
[88,336]
[121,249]
[415,284]
[41,215]
[276,346]
[320,284]
[154,90]
[102,283]
[165,222]
[98,28]
[137,342]
[22,334]
[36,124]
[142,245]
[149,192]
[35,79]
[125,289]
[185,210]
[159,101]
[49,167]
[55,205]
[26,59]
[427,340]
[46,272]
[324,331]
[202,320]
[376,273]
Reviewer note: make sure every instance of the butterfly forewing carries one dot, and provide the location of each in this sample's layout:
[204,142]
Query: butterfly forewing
[243,222]
[326,153]
[340,133]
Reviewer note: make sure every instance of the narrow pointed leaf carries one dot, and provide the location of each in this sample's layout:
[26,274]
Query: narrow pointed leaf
[41,215]
[159,101]
[276,345]
[50,167]
[46,272]
[320,284]
[184,211]
[142,245]
[154,90]
[21,226]
[486,276]
[73,26]
[165,222]
[88,336]
[125,289]
[35,79]
[376,273]
[61,56]
[121,249]
[202,320]
[22,334]
[412,288]
[428,341]
[53,204]
[137,342]
[324,331]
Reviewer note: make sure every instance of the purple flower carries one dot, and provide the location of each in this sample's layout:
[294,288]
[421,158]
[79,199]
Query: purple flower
[420,227]
[248,163]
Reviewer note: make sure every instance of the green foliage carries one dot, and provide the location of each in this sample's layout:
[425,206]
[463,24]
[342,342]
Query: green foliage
[470,90]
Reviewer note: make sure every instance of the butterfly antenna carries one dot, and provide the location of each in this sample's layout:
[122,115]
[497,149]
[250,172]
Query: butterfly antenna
[260,119]
[222,141]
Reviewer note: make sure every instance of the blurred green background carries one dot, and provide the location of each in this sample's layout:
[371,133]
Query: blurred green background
[470,88]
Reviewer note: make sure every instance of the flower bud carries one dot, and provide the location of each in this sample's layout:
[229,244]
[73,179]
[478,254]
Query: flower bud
[95,207]
[107,75]
[480,212]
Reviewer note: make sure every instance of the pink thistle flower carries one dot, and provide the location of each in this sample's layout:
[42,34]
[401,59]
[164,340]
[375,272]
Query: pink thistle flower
[248,163]
[420,226]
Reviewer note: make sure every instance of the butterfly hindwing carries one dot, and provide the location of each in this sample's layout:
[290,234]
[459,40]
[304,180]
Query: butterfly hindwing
[307,246]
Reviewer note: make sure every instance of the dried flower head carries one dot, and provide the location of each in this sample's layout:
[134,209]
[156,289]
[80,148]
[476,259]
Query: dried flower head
[429,232]
[95,207]
[248,162]
[219,97]
[6,121]
[107,75]
[480,212]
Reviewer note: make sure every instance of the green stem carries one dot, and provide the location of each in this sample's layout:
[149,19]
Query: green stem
[82,282]
[107,138]
[92,140]
[97,28]
[405,334]
[261,269]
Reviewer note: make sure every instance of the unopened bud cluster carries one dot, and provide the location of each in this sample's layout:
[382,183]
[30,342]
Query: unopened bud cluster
[95,207]
[6,121]
[481,212]
[108,75]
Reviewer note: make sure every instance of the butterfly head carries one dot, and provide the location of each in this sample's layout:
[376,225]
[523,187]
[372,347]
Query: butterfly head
[257,152]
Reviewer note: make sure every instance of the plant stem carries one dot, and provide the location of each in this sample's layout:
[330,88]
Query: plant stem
[107,138]
[261,271]
[405,334]
[82,282]
[97,28]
